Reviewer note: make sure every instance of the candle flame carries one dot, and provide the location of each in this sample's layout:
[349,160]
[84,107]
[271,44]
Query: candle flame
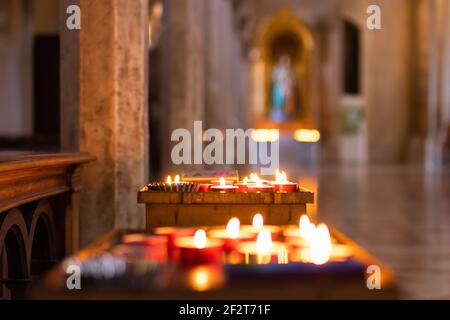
[233,228]
[245,180]
[177,179]
[264,242]
[200,239]
[169,179]
[222,182]
[280,176]
[258,221]
[306,228]
[254,177]
[320,245]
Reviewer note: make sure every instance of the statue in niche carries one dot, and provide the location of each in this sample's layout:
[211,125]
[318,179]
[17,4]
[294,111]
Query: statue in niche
[283,90]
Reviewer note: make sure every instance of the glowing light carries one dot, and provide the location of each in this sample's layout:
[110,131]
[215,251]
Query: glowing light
[200,239]
[233,228]
[264,243]
[169,179]
[305,135]
[280,176]
[177,179]
[222,182]
[306,228]
[320,246]
[201,280]
[283,255]
[266,135]
[258,221]
[245,181]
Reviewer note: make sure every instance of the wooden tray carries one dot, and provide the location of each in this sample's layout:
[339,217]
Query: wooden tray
[213,208]
[241,282]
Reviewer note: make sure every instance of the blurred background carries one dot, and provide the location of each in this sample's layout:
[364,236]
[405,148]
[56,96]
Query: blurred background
[364,115]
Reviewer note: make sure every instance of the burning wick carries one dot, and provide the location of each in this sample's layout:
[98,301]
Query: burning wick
[200,239]
[280,177]
[233,228]
[258,221]
[169,179]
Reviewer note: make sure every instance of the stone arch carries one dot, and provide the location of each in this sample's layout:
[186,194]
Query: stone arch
[42,238]
[15,253]
[284,25]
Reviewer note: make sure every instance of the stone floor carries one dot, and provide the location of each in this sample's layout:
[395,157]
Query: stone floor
[399,214]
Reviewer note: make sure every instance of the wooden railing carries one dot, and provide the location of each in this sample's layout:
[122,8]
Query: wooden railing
[39,215]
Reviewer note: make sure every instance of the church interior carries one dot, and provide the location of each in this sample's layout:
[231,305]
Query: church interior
[356,93]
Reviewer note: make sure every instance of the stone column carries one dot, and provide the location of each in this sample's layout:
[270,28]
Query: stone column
[106,114]
[183,57]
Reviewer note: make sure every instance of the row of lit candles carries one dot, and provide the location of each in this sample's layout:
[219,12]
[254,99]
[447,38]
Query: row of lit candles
[256,243]
[250,185]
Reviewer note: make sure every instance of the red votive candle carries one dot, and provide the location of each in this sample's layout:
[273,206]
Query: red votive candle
[282,184]
[223,187]
[242,187]
[285,186]
[229,244]
[274,231]
[155,246]
[199,250]
[205,187]
[171,234]
[253,188]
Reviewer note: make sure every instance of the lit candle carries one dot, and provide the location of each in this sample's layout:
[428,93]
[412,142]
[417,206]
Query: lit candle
[297,236]
[320,249]
[231,236]
[171,234]
[199,250]
[264,250]
[258,225]
[259,186]
[281,184]
[223,187]
[205,187]
[243,186]
[154,248]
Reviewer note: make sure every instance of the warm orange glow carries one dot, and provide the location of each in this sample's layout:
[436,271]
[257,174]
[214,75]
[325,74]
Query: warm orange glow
[281,177]
[320,245]
[258,221]
[177,179]
[265,135]
[306,227]
[222,182]
[305,135]
[254,177]
[283,255]
[200,239]
[264,243]
[201,280]
[245,181]
[233,228]
[169,179]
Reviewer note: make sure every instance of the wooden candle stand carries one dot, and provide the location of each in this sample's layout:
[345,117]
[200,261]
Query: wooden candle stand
[214,208]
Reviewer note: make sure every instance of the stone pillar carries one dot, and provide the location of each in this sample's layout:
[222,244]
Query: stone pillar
[183,57]
[438,79]
[106,114]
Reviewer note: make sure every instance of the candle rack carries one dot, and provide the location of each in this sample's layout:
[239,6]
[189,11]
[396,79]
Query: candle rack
[212,208]
[142,278]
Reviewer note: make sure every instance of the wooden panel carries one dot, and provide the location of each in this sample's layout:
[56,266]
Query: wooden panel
[303,196]
[188,215]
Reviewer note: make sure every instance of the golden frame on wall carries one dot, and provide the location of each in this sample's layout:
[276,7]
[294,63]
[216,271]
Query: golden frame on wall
[283,23]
